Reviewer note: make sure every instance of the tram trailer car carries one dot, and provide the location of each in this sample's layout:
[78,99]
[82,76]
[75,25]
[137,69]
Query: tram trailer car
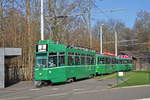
[124,64]
[104,64]
[56,63]
[109,64]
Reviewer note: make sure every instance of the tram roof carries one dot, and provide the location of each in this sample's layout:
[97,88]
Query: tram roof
[118,57]
[102,55]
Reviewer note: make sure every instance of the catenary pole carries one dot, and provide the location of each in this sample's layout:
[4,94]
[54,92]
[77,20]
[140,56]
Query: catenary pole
[116,49]
[89,19]
[101,38]
[42,21]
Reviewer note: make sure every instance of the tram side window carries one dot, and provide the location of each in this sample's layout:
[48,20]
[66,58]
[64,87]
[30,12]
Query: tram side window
[88,60]
[130,61]
[126,61]
[107,61]
[98,60]
[92,60]
[70,59]
[117,61]
[121,61]
[86,57]
[101,61]
[61,59]
[77,60]
[113,61]
[52,60]
[82,60]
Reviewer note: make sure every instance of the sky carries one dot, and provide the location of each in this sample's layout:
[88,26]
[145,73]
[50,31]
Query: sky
[127,16]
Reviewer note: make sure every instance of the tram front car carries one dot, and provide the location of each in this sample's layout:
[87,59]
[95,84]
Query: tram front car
[46,60]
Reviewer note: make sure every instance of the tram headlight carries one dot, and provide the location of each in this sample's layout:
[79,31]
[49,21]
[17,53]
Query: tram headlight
[40,74]
[50,72]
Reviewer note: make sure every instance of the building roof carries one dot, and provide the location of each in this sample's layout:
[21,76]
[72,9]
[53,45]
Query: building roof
[10,51]
[137,54]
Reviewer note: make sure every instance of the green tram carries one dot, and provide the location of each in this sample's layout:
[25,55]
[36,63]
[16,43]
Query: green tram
[105,64]
[124,64]
[56,63]
[109,64]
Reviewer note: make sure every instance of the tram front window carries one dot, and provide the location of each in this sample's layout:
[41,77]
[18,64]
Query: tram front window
[41,62]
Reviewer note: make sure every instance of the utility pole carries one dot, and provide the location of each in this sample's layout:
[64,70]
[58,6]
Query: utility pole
[89,28]
[101,39]
[42,21]
[116,49]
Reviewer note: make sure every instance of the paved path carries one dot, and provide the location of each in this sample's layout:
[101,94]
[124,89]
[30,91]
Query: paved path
[89,89]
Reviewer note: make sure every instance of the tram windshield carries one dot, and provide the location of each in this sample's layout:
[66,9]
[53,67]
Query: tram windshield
[41,62]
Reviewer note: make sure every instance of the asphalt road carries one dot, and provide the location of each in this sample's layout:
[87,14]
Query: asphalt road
[89,89]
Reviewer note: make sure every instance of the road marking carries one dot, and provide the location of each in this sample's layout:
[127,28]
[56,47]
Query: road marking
[51,95]
[100,86]
[77,89]
[34,89]
[132,86]
[90,91]
[15,98]
[143,99]
[55,88]
[136,86]
[63,94]
[55,95]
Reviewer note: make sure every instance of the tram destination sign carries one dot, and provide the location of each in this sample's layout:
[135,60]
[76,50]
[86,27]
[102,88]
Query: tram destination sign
[42,48]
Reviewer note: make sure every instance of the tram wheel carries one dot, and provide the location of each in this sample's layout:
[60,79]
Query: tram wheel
[70,80]
[91,76]
[37,83]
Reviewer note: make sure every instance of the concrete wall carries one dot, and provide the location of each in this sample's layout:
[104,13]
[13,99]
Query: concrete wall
[6,52]
[2,72]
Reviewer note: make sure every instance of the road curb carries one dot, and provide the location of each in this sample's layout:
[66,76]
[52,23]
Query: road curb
[131,86]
